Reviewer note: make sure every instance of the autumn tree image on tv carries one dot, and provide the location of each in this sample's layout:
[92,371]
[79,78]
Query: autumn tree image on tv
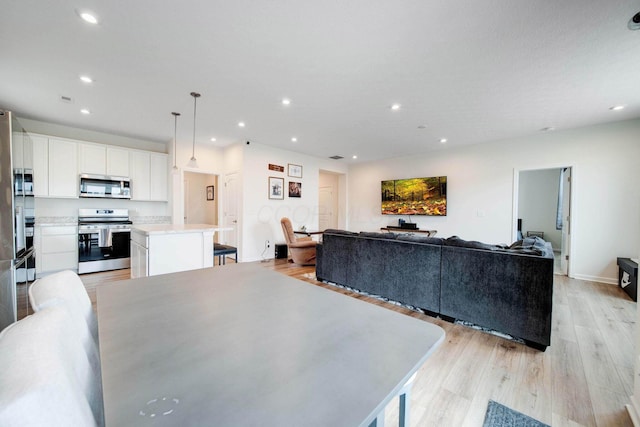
[415,196]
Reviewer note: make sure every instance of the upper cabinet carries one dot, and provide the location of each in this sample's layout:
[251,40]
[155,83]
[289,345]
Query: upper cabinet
[22,151]
[148,176]
[140,168]
[118,161]
[93,159]
[98,159]
[159,177]
[40,165]
[63,168]
[58,162]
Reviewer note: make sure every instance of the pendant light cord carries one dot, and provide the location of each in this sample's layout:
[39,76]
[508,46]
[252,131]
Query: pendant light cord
[193,150]
[175,137]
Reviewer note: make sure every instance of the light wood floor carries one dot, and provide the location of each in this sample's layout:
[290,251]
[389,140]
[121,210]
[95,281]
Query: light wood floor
[583,379]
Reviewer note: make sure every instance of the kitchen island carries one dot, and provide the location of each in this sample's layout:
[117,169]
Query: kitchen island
[169,248]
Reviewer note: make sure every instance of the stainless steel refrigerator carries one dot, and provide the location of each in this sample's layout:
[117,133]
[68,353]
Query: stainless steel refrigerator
[17,262]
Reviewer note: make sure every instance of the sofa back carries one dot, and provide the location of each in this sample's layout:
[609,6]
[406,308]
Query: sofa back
[395,266]
[504,290]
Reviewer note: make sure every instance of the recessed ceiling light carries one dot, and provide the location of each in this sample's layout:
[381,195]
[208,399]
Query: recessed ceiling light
[86,79]
[548,129]
[294,139]
[241,124]
[286,101]
[213,140]
[395,107]
[354,157]
[85,111]
[89,17]
[422,127]
[443,140]
[617,107]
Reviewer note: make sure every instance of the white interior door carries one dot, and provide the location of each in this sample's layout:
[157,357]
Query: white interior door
[566,223]
[230,213]
[327,203]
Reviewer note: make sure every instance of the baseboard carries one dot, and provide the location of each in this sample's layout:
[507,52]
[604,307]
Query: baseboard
[607,280]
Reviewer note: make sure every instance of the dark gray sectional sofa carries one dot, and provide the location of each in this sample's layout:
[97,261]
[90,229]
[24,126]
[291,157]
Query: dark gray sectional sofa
[507,289]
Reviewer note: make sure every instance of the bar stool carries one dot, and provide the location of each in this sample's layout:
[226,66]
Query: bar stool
[221,251]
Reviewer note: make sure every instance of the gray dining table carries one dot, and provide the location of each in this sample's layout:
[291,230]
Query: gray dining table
[242,345]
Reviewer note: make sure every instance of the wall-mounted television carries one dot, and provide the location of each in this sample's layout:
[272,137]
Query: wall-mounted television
[415,196]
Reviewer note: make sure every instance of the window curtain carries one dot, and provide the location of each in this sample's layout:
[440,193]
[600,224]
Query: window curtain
[560,199]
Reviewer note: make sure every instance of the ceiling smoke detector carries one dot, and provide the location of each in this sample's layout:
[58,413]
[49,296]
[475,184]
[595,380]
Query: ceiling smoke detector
[634,22]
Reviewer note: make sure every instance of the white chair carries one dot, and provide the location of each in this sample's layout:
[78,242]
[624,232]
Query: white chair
[66,287]
[46,378]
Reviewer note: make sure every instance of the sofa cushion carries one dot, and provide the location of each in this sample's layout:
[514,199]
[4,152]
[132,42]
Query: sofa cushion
[376,235]
[472,244]
[340,232]
[407,237]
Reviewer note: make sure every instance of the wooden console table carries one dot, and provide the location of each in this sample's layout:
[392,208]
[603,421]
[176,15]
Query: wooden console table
[429,233]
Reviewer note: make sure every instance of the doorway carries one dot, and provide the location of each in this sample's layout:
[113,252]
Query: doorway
[328,200]
[200,198]
[543,208]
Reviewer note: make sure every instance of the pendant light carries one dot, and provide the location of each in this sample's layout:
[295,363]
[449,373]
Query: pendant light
[175,133]
[193,163]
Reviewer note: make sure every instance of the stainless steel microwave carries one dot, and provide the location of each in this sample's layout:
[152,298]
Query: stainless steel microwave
[108,187]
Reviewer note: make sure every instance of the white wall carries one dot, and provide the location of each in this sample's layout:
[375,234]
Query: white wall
[260,215]
[481,190]
[538,203]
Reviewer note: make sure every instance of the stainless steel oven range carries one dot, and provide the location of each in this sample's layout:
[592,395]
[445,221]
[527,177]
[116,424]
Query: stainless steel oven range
[103,240]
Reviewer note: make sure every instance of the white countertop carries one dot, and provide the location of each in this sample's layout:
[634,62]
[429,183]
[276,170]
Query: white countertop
[149,229]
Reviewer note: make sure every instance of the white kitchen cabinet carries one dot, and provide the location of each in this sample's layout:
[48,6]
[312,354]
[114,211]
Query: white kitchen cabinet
[148,173]
[140,174]
[117,161]
[22,151]
[40,158]
[63,168]
[93,159]
[56,248]
[139,257]
[165,248]
[100,159]
[158,177]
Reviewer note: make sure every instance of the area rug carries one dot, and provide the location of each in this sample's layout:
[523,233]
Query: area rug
[500,416]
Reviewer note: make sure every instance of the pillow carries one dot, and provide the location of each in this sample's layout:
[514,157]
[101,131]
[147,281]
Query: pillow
[340,232]
[472,244]
[530,245]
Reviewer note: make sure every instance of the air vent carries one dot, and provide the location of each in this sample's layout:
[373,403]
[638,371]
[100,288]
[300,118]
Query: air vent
[66,99]
[336,157]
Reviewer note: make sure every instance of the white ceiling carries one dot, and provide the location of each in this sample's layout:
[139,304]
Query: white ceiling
[470,71]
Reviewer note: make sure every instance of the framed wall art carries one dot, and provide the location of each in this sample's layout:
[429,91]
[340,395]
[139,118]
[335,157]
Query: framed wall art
[294,171]
[209,192]
[295,189]
[276,188]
